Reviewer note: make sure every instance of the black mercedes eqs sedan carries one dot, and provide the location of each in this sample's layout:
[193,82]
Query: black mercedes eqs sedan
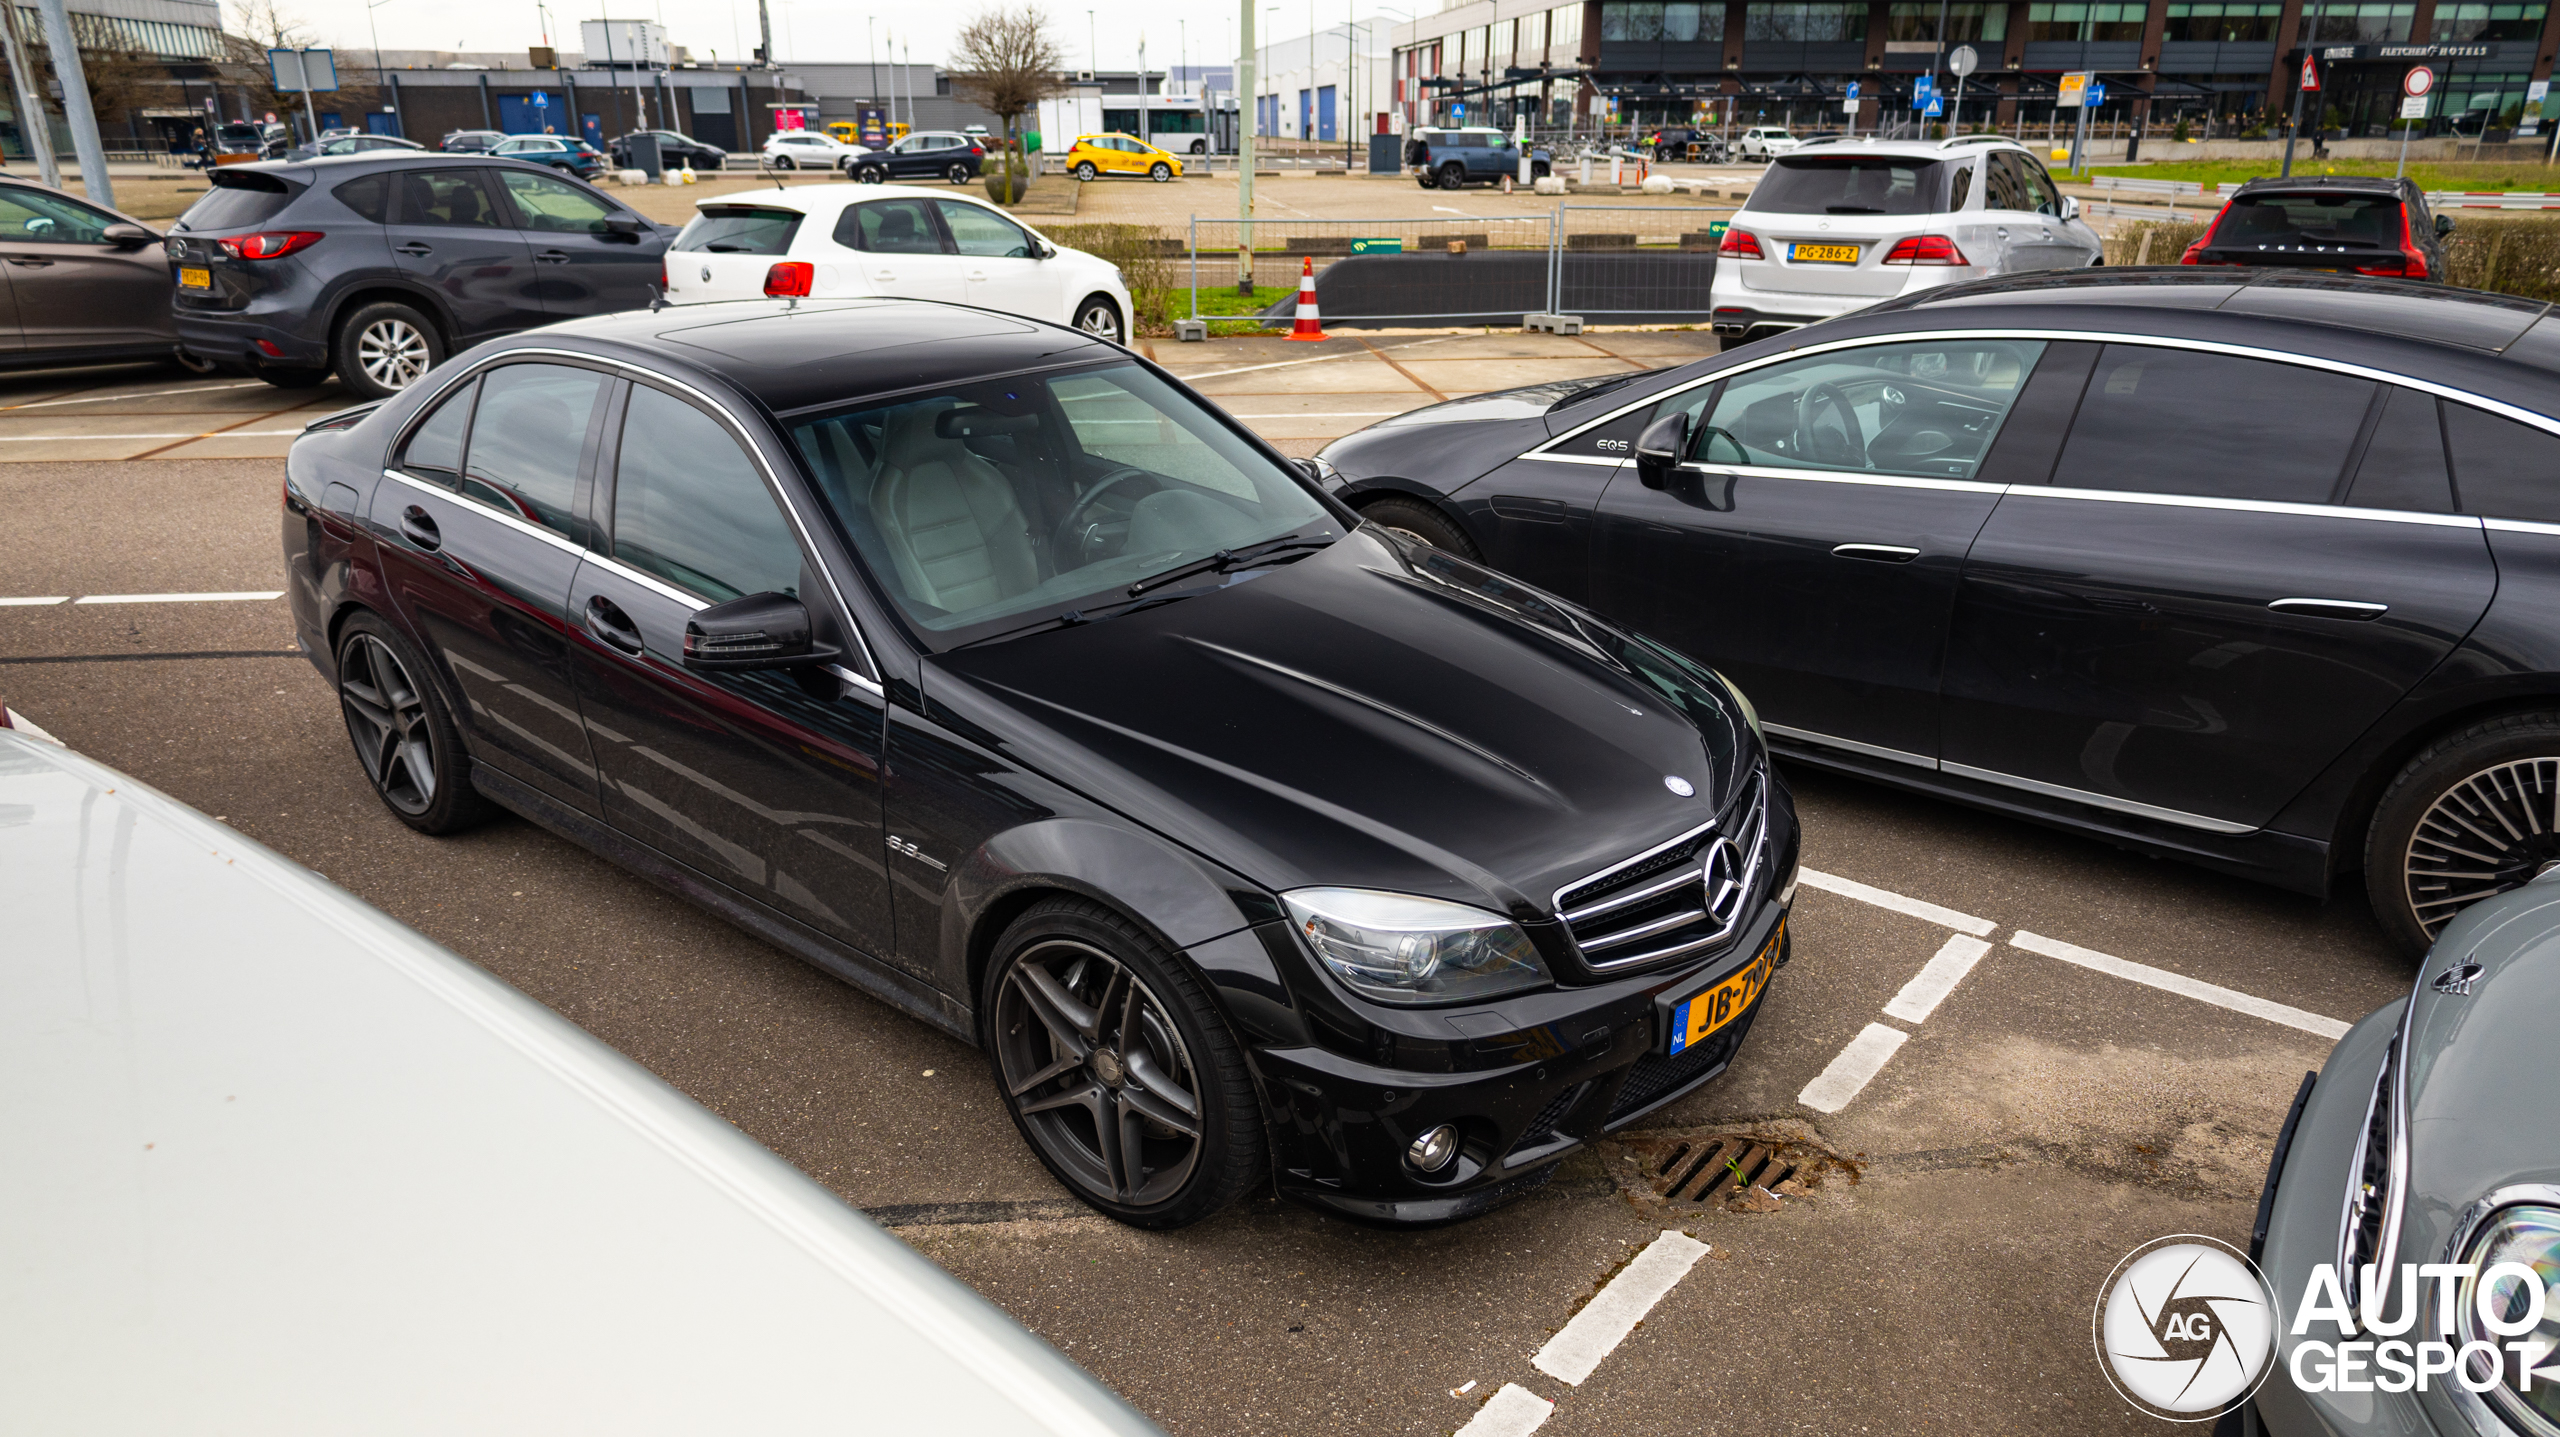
[983,665]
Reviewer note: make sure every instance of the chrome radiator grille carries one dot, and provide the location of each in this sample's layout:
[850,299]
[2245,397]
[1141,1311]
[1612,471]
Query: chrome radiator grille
[1683,897]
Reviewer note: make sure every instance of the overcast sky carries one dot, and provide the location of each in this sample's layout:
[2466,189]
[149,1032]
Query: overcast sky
[808,31]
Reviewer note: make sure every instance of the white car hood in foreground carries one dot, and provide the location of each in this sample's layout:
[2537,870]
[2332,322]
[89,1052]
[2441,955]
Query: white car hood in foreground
[276,1164]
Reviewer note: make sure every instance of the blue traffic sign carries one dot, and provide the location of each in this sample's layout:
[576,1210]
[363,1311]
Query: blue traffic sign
[1936,106]
[1853,89]
[2097,92]
[1923,89]
[541,101]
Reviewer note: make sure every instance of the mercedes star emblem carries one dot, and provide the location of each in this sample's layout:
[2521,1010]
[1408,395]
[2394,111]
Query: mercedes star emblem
[1679,785]
[1722,868]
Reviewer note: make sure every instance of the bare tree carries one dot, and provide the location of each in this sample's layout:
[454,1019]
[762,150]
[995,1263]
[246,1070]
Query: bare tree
[1007,61]
[263,25]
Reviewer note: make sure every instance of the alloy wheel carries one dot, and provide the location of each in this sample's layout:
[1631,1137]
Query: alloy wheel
[387,718]
[2491,832]
[393,353]
[1100,321]
[1098,1073]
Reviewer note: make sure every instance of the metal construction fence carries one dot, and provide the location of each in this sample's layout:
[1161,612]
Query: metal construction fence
[1622,261]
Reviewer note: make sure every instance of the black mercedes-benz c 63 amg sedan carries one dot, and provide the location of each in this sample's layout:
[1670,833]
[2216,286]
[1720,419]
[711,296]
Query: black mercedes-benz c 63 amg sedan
[2254,569]
[980,663]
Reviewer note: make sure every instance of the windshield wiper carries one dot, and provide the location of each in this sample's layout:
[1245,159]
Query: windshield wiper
[1225,560]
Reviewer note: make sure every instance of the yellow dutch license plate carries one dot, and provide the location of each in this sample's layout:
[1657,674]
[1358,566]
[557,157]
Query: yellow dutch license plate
[1693,1019]
[191,277]
[1823,253]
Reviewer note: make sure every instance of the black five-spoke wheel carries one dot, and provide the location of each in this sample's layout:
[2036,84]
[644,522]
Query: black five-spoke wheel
[402,734]
[1117,1068]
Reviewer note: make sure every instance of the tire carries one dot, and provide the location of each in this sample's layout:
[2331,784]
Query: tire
[1453,176]
[1085,170]
[1160,172]
[2454,808]
[1199,147]
[957,174]
[785,162]
[1417,520]
[291,378]
[1099,317]
[403,735]
[384,347]
[1426,180]
[1136,1040]
[870,175]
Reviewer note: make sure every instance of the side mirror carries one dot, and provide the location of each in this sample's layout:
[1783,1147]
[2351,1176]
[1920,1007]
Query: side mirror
[760,631]
[127,236]
[2444,224]
[1659,448]
[622,227]
[2070,208]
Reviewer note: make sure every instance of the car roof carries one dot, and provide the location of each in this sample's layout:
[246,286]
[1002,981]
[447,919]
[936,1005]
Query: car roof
[2501,346]
[830,199]
[1835,144]
[790,357]
[2367,184]
[289,1158]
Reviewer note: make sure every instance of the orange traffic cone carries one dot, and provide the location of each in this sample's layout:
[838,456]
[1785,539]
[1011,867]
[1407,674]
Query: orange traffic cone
[1310,324]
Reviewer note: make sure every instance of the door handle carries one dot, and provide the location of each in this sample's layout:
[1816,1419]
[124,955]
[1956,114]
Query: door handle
[611,626]
[1877,553]
[978,276]
[419,528]
[28,262]
[2352,609]
[414,250]
[552,256]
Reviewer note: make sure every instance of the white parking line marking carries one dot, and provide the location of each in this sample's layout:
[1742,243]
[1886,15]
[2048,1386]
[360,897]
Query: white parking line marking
[1865,1056]
[145,394]
[46,599]
[1915,907]
[1921,996]
[1512,1411]
[2195,988]
[1319,359]
[1605,1321]
[173,598]
[1332,414]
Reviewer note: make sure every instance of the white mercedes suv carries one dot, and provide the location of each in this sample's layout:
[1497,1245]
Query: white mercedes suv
[1839,226]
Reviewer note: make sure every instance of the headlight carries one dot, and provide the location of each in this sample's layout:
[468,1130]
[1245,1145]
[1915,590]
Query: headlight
[1397,948]
[2527,1234]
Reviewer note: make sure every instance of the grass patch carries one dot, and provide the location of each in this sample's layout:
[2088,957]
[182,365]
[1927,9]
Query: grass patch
[2449,175]
[1222,299]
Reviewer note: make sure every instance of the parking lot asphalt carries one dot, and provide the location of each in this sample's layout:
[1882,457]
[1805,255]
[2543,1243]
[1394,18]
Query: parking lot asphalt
[2080,1049]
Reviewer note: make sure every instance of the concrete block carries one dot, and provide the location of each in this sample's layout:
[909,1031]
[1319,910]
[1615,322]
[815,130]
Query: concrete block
[1187,330]
[1659,185]
[1549,185]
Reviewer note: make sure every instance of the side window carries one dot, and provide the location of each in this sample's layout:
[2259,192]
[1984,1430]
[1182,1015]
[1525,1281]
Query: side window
[30,216]
[1959,187]
[1929,409]
[2403,464]
[2006,191]
[2037,187]
[554,206]
[689,507]
[434,451]
[2173,421]
[979,231]
[527,438]
[369,197]
[2501,468]
[446,197]
[1615,438]
[889,227]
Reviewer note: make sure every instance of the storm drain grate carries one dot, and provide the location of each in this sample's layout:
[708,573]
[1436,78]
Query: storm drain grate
[1737,1171]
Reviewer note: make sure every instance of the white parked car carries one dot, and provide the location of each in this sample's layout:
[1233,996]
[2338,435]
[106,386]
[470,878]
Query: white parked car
[1764,142]
[806,150]
[1842,225]
[914,243]
[277,1164]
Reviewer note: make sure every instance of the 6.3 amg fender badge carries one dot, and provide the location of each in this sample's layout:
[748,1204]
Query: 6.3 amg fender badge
[908,847]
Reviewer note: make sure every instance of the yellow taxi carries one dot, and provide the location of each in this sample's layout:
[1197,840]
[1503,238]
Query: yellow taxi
[1093,156]
[848,133]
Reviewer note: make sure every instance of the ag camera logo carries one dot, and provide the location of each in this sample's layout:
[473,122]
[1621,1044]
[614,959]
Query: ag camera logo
[2185,1328]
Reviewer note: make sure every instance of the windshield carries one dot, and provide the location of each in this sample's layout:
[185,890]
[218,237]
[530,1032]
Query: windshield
[990,506]
[1802,184]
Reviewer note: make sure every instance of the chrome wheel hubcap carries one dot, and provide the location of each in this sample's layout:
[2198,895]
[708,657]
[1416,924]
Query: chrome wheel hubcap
[1100,321]
[1098,1073]
[387,718]
[392,353]
[2491,832]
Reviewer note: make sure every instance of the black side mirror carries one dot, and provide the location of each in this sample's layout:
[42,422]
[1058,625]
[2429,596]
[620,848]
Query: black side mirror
[2444,224]
[622,227]
[1659,448]
[760,631]
[127,236]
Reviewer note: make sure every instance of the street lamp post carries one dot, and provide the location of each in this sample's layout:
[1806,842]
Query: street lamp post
[1248,86]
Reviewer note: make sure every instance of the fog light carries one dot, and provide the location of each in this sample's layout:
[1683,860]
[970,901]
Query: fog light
[1433,1150]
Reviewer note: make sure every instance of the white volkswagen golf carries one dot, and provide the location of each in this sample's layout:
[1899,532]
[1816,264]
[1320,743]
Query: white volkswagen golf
[829,242]
[1843,225]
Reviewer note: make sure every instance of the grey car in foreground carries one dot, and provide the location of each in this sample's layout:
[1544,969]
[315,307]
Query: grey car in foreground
[2428,1138]
[277,1164]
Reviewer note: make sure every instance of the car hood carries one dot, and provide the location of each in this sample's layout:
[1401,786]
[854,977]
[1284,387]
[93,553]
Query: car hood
[1459,440]
[1377,715]
[2479,1109]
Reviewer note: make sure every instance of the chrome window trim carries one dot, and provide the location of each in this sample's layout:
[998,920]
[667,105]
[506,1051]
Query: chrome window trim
[745,434]
[2208,346]
[2466,1231]
[1850,476]
[1871,750]
[2250,506]
[648,581]
[1600,460]
[2521,526]
[2099,800]
[516,522]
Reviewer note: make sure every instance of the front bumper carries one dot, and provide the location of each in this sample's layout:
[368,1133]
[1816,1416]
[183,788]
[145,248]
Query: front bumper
[1593,1062]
